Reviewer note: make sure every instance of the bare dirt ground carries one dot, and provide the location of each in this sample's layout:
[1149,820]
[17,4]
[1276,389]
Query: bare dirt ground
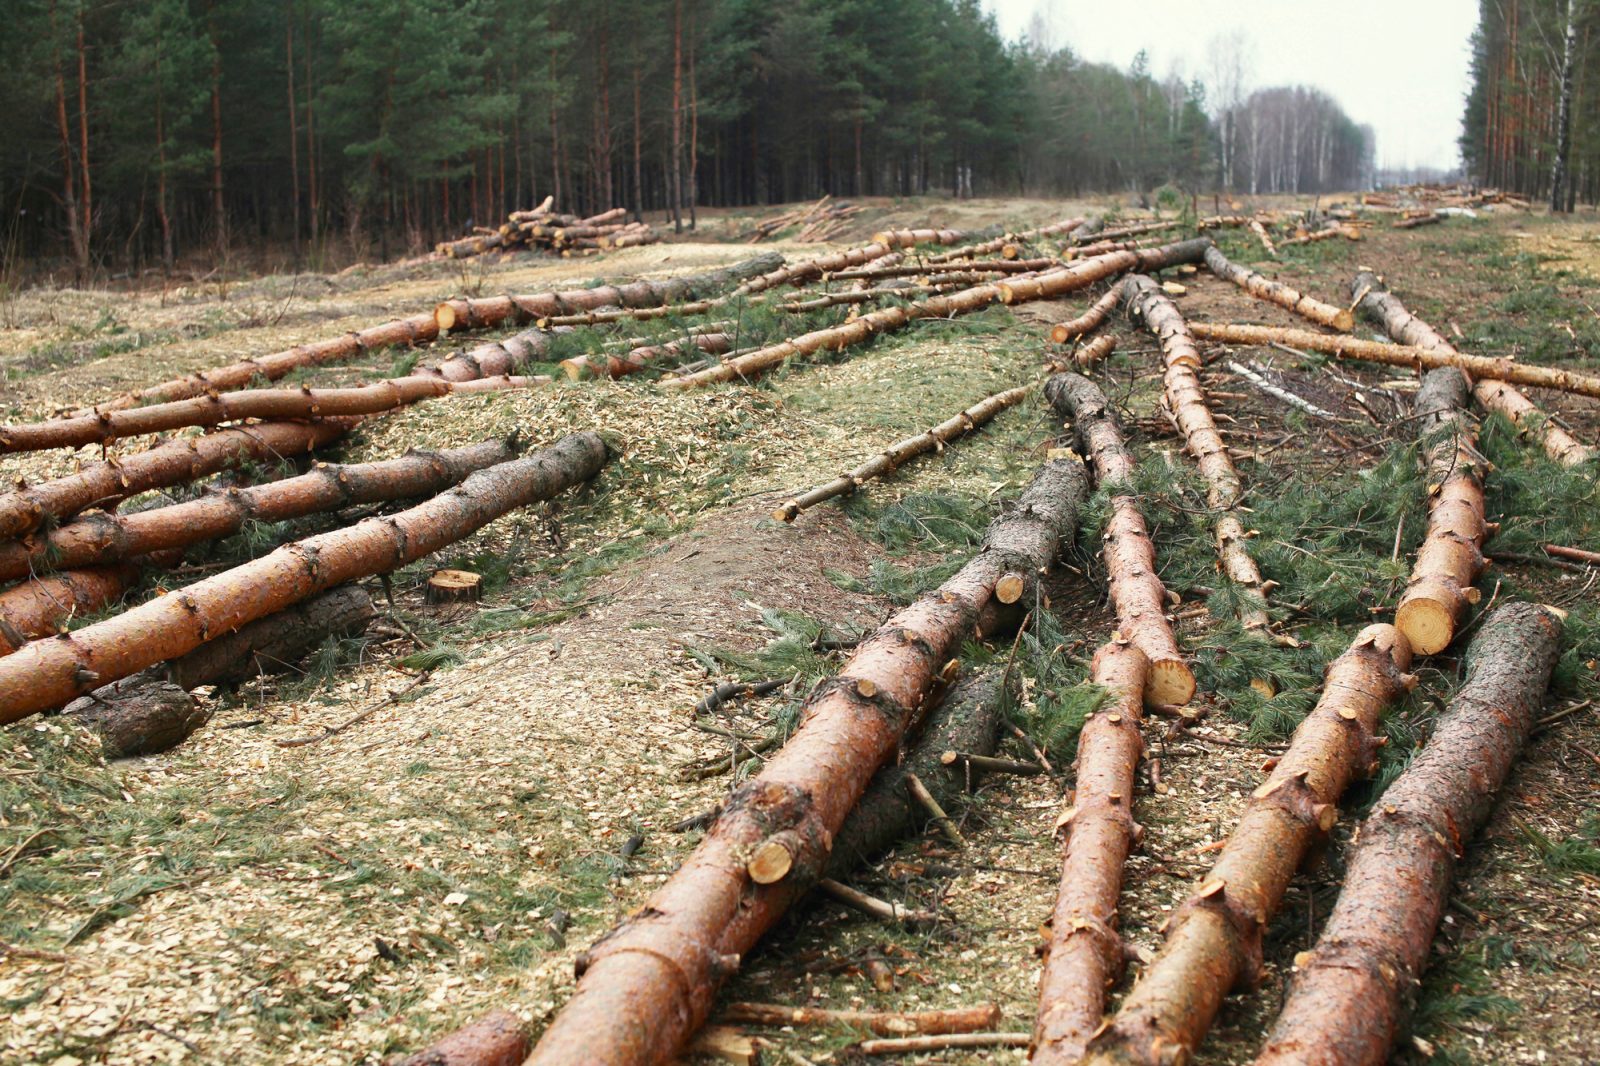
[239,900]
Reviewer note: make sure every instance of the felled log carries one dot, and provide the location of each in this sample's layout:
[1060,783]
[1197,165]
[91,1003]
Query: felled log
[1479,366]
[42,607]
[172,462]
[1049,284]
[47,673]
[1308,307]
[1185,403]
[893,457]
[646,987]
[1090,320]
[1351,992]
[504,357]
[1213,941]
[1264,237]
[1384,308]
[1055,229]
[641,358]
[910,238]
[1326,233]
[967,719]
[884,1023]
[1083,953]
[861,296]
[237,406]
[102,539]
[488,311]
[1132,230]
[1101,247]
[1137,594]
[499,1038]
[807,269]
[1451,556]
[1419,220]
[973,266]
[1087,355]
[139,715]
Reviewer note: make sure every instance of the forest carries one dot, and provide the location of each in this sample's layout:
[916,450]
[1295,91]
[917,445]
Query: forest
[144,133]
[1532,122]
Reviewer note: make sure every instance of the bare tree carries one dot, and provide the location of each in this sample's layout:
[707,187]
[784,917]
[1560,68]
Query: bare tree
[1229,57]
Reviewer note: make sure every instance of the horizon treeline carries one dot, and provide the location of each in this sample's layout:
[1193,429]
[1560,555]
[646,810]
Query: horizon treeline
[1534,97]
[142,133]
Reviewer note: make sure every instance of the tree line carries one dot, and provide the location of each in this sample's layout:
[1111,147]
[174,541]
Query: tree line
[1532,120]
[141,133]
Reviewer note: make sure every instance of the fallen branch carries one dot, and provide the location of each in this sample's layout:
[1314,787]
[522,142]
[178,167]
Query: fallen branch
[1351,991]
[1576,554]
[884,1023]
[911,1045]
[873,907]
[1260,381]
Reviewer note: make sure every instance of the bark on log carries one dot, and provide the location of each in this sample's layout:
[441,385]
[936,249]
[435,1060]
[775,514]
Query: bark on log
[1353,990]
[505,357]
[1387,311]
[1052,283]
[897,454]
[47,673]
[1132,230]
[1213,941]
[238,406]
[102,539]
[616,366]
[884,1023]
[106,483]
[914,270]
[910,238]
[43,608]
[1419,220]
[139,715]
[1263,288]
[1084,956]
[646,987]
[1137,594]
[1090,320]
[485,312]
[499,1038]
[1185,402]
[1451,556]
[407,331]
[913,1045]
[1479,366]
[967,719]
[1264,237]
[1086,356]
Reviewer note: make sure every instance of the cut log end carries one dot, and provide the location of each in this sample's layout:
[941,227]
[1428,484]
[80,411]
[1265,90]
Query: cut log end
[771,862]
[1429,624]
[1344,321]
[444,316]
[1009,589]
[455,586]
[1171,683]
[1060,334]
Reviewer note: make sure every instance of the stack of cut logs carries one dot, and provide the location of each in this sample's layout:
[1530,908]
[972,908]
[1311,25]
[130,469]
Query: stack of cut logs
[821,221]
[543,228]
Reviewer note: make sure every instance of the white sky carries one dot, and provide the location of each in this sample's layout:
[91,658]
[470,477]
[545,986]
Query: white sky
[1398,65]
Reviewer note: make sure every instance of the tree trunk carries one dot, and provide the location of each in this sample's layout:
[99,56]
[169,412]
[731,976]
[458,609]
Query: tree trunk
[1213,941]
[1274,292]
[83,135]
[645,988]
[1507,370]
[1352,991]
[884,1023]
[1185,402]
[172,463]
[638,148]
[139,715]
[76,230]
[46,674]
[490,311]
[643,358]
[1090,320]
[219,211]
[99,540]
[499,1038]
[1137,594]
[677,116]
[294,132]
[1558,169]
[43,607]
[274,643]
[1084,956]
[901,452]
[500,358]
[236,406]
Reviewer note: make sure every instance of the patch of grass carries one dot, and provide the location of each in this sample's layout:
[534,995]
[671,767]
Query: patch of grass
[1577,854]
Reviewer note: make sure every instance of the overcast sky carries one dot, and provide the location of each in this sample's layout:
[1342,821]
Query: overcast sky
[1398,65]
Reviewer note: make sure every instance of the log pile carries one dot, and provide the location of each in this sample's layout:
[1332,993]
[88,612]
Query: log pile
[818,222]
[544,228]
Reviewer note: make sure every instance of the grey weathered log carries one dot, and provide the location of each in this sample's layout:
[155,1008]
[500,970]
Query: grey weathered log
[139,715]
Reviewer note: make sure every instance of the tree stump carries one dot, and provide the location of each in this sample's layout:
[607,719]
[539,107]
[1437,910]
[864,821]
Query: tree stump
[455,586]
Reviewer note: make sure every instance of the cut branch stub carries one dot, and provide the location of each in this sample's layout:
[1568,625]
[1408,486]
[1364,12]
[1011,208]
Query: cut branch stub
[1352,990]
[1214,940]
[47,673]
[646,987]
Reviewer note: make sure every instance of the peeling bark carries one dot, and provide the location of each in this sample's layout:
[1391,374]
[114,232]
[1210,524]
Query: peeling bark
[1354,989]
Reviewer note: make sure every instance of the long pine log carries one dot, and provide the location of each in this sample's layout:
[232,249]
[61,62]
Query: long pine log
[1275,292]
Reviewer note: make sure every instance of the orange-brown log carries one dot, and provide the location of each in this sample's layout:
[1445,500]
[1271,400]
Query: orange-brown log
[139,715]
[862,296]
[43,607]
[641,358]
[1351,992]
[499,1038]
[1274,292]
[1083,952]
[1090,320]
[1384,308]
[47,673]
[884,1023]
[1137,594]
[807,269]
[237,406]
[1419,220]
[407,331]
[173,462]
[1479,366]
[1097,350]
[102,539]
[1213,941]
[1451,557]
[616,214]
[488,311]
[891,458]
[858,330]
[1185,402]
[974,266]
[910,238]
[1576,554]
[1334,229]
[647,986]
[1130,230]
[504,357]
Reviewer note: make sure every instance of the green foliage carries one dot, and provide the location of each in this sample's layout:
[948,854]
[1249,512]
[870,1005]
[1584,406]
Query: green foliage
[1577,854]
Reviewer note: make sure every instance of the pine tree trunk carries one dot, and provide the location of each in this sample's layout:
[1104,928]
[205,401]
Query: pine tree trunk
[76,230]
[1213,941]
[219,211]
[1352,991]
[294,132]
[1558,170]
[645,988]
[46,674]
[43,607]
[83,135]
[140,715]
[1308,307]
